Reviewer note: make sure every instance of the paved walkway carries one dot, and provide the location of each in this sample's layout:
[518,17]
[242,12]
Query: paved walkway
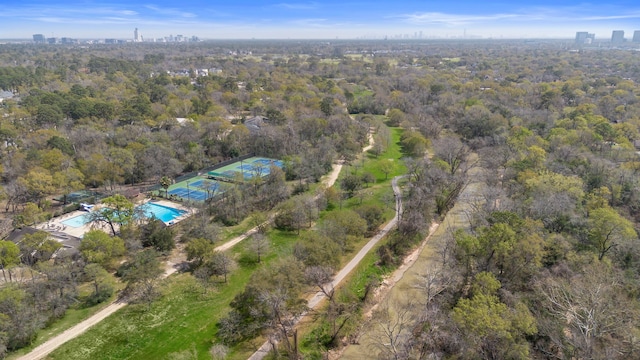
[50,345]
[342,274]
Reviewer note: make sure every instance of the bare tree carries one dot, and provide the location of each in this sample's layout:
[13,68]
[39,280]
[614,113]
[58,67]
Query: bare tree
[452,151]
[320,277]
[594,310]
[431,283]
[393,324]
[259,245]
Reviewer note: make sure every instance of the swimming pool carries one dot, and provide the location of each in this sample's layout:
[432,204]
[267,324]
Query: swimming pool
[161,212]
[77,221]
[149,210]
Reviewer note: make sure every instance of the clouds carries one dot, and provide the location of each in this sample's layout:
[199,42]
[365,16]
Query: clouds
[314,19]
[545,15]
[298,6]
[170,12]
[437,18]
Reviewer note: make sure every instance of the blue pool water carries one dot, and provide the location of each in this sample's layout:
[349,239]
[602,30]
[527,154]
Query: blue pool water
[164,213]
[77,221]
[161,212]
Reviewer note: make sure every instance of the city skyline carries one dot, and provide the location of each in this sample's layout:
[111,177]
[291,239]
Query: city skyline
[316,20]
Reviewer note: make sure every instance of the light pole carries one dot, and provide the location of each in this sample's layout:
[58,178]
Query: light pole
[188,193]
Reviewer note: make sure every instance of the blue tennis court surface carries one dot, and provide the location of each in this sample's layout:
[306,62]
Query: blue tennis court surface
[189,194]
[248,174]
[206,184]
[268,162]
[248,168]
[198,183]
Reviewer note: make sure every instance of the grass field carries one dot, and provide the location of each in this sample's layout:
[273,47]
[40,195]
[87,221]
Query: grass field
[73,316]
[182,323]
[183,320]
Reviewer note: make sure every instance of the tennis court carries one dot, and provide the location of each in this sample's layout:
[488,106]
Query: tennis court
[249,168]
[189,194]
[268,162]
[206,184]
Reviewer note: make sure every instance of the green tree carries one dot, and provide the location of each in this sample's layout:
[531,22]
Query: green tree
[102,287]
[142,274]
[39,183]
[414,144]
[9,256]
[165,182]
[608,229]
[490,328]
[37,247]
[386,166]
[351,183]
[157,235]
[198,250]
[117,211]
[30,215]
[326,106]
[373,214]
[68,180]
[100,248]
[49,115]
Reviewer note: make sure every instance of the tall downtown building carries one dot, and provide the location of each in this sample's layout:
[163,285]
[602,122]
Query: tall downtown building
[617,36]
[39,39]
[583,37]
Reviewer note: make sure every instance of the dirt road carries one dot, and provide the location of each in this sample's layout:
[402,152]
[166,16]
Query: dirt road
[50,345]
[53,343]
[47,347]
[318,297]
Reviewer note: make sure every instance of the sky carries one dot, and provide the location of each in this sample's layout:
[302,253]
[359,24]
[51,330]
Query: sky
[327,19]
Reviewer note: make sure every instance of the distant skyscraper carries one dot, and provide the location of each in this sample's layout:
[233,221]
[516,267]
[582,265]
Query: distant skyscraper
[136,35]
[39,39]
[583,37]
[636,36]
[617,36]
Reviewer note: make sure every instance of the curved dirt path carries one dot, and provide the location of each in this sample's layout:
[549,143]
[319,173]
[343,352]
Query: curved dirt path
[342,274]
[50,345]
[331,178]
[47,347]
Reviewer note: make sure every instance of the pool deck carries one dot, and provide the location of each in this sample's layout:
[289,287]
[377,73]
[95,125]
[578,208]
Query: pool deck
[60,231]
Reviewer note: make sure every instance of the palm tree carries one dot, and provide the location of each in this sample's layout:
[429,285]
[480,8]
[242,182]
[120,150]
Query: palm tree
[165,182]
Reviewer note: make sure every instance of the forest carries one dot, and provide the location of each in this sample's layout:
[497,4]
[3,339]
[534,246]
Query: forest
[545,264]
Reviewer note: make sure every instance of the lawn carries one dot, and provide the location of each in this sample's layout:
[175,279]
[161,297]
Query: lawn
[182,323]
[72,316]
[183,320]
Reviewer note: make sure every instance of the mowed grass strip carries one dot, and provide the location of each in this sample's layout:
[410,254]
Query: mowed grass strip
[185,318]
[72,317]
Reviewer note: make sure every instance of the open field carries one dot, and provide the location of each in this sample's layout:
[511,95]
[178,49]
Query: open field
[72,317]
[185,319]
